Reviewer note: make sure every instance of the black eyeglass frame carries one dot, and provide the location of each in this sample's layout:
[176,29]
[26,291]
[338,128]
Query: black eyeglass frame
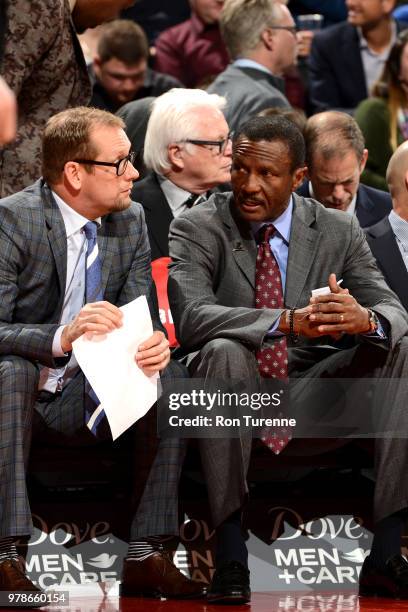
[130,157]
[221,144]
[292,29]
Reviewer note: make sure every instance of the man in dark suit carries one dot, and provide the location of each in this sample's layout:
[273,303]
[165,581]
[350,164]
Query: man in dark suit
[260,38]
[45,240]
[388,239]
[245,312]
[336,157]
[188,150]
[346,59]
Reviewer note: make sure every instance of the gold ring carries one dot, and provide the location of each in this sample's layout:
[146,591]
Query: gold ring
[341,318]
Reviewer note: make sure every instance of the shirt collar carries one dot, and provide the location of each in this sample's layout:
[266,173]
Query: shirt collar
[351,208]
[175,195]
[399,227]
[364,43]
[282,224]
[244,62]
[73,221]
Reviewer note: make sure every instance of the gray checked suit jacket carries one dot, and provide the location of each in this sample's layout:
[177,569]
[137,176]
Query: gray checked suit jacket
[33,245]
[212,277]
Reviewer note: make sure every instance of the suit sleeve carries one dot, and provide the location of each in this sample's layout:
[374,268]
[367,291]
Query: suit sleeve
[324,88]
[30,341]
[196,291]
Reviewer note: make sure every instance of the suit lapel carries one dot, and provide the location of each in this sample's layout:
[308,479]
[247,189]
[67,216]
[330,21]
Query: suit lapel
[353,61]
[303,247]
[385,249]
[158,213]
[57,238]
[242,243]
[364,209]
[106,251]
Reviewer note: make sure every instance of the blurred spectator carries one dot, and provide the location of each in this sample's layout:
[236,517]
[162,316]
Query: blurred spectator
[120,72]
[136,115]
[388,239]
[383,119]
[348,58]
[188,150]
[193,51]
[260,37]
[154,17]
[333,11]
[44,67]
[336,156]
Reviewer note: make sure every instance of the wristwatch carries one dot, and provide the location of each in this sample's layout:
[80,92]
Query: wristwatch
[372,320]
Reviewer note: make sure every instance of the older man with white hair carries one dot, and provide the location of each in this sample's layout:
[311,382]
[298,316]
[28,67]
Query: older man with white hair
[188,150]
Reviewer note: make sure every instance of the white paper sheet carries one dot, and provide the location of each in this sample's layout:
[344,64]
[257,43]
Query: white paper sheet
[108,362]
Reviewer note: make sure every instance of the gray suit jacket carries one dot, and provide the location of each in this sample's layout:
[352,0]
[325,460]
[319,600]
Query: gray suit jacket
[212,277]
[33,244]
[248,91]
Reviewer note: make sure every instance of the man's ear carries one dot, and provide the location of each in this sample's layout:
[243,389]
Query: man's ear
[298,177]
[73,175]
[176,154]
[267,37]
[363,160]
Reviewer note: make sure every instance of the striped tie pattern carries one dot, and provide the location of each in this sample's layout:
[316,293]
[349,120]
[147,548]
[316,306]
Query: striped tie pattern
[94,413]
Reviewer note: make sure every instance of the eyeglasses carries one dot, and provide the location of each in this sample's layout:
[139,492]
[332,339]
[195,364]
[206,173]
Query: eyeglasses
[120,165]
[291,29]
[221,144]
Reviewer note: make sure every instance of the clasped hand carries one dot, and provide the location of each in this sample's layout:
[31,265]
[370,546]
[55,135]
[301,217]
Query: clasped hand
[153,354]
[332,314]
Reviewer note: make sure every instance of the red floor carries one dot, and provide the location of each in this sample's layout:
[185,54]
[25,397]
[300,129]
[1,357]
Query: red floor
[261,602]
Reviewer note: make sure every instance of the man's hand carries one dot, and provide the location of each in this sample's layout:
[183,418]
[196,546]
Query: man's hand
[338,312]
[95,318]
[153,354]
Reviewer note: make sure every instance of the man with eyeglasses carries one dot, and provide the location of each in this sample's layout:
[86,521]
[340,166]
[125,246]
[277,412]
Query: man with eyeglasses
[188,151]
[261,39]
[74,227]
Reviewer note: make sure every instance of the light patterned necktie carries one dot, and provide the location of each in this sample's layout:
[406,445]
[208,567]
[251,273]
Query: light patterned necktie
[272,360]
[94,413]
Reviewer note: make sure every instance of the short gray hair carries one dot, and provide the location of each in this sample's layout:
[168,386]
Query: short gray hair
[243,21]
[172,120]
[332,134]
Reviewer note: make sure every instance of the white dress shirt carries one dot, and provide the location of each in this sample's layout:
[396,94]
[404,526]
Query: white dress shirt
[54,380]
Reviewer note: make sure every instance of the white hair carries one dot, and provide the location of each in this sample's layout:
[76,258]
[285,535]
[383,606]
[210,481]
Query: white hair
[173,119]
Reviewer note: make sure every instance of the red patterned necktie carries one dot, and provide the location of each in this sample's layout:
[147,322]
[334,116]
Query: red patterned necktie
[273,360]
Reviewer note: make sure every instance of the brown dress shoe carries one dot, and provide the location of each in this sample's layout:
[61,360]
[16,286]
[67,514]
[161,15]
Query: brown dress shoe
[157,576]
[13,578]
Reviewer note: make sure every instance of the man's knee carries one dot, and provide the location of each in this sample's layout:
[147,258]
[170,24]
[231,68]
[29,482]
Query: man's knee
[228,357]
[17,373]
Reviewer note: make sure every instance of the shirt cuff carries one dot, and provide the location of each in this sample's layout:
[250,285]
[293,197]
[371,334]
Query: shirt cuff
[381,333]
[273,331]
[56,343]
